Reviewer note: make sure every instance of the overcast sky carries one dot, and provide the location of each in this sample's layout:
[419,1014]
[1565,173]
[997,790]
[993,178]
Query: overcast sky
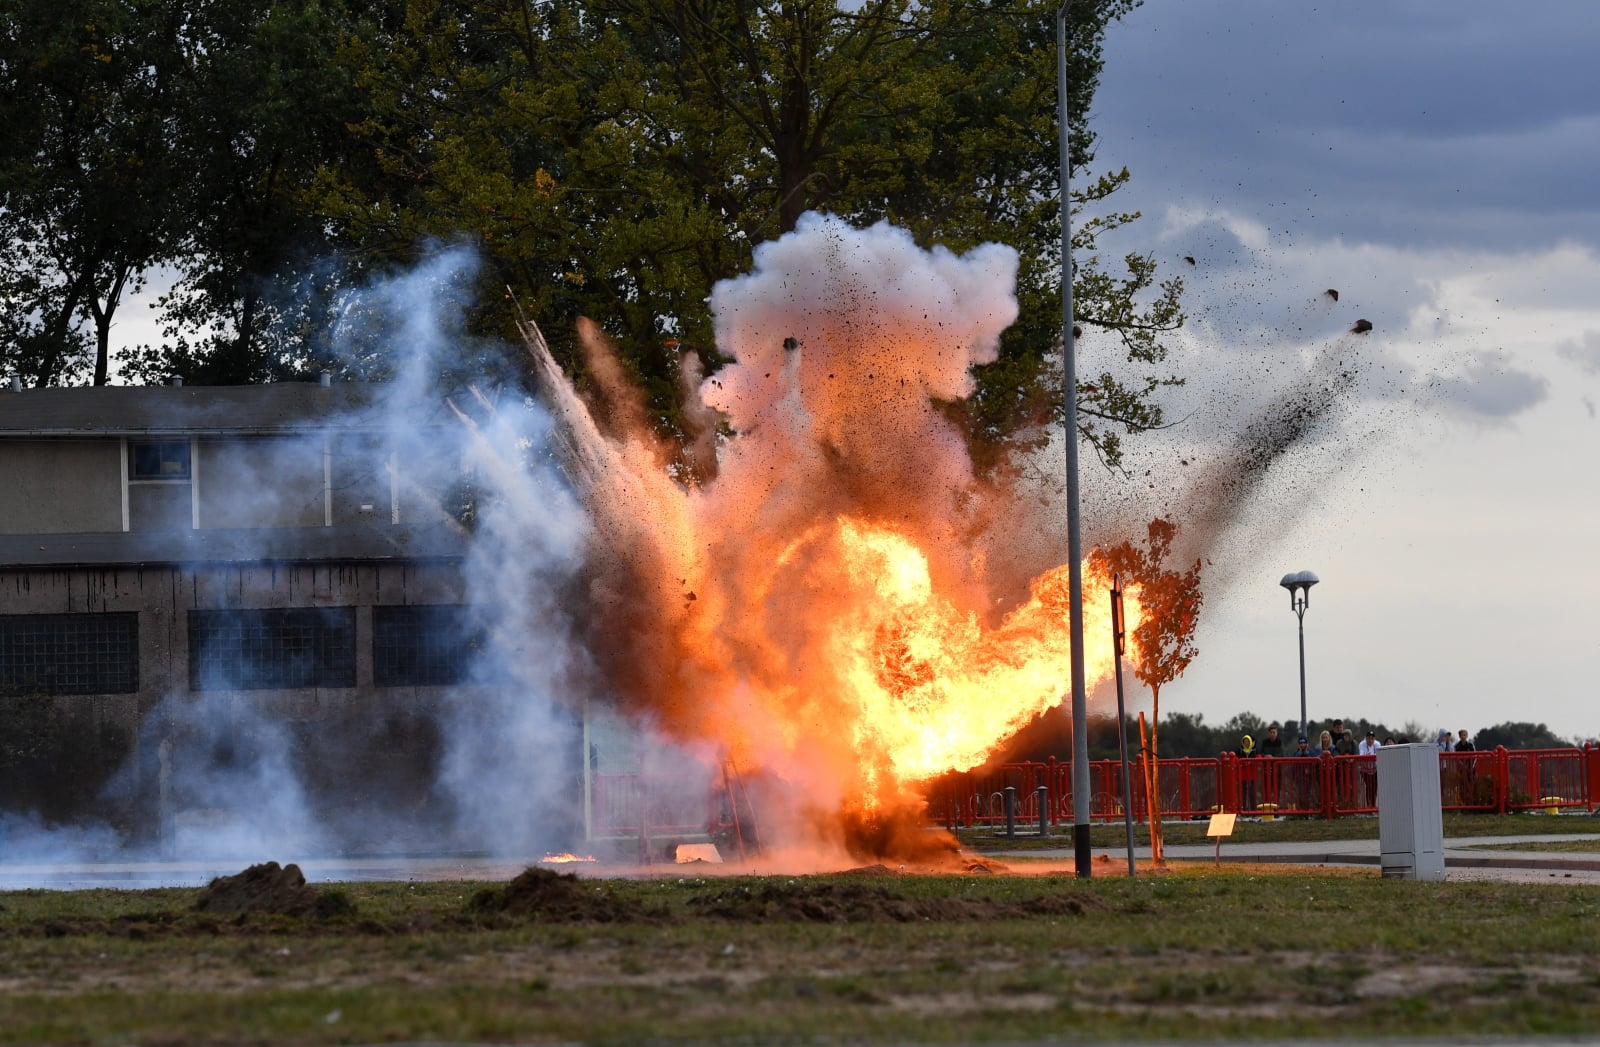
[1438,164]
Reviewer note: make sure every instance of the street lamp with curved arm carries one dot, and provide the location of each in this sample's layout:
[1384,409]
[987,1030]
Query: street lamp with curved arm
[1299,585]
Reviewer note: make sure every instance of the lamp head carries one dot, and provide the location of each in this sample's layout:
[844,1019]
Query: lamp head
[1300,582]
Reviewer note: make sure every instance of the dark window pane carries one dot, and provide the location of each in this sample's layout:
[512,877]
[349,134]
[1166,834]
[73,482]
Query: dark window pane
[69,654]
[159,460]
[251,650]
[424,646]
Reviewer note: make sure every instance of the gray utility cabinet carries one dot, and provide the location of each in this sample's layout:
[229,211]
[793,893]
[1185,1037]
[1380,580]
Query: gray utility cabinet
[1410,820]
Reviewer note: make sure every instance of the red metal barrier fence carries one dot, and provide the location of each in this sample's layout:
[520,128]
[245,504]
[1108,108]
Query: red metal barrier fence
[1495,781]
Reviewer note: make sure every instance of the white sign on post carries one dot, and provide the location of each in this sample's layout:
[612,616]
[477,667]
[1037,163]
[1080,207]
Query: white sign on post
[1220,825]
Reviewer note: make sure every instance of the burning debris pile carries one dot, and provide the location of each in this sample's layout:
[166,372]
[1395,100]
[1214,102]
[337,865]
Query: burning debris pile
[833,606]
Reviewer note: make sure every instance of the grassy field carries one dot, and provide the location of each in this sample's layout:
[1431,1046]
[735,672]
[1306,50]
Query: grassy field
[1588,847]
[1196,952]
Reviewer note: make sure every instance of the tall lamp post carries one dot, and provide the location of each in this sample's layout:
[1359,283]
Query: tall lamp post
[1299,585]
[1080,698]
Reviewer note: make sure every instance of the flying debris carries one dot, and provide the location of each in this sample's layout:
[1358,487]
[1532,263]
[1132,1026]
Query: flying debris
[1361,327]
[1332,293]
[1189,258]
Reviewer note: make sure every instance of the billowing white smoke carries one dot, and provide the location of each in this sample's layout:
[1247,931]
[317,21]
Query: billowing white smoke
[511,745]
[237,779]
[844,339]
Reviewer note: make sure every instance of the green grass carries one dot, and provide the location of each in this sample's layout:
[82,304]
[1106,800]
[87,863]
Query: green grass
[1589,847]
[1278,830]
[1196,952]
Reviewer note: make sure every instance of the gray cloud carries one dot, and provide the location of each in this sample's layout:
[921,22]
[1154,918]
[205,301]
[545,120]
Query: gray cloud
[1584,352]
[1381,121]
[1491,389]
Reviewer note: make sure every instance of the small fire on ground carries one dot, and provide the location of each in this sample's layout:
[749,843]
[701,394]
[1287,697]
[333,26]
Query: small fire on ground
[565,857]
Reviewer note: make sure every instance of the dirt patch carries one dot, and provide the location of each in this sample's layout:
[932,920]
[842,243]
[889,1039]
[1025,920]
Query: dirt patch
[845,902]
[552,897]
[267,888]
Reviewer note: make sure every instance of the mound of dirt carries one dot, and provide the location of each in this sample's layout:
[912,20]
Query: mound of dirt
[552,897]
[268,888]
[845,902]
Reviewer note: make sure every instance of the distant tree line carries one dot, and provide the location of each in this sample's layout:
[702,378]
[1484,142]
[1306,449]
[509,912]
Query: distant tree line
[1184,734]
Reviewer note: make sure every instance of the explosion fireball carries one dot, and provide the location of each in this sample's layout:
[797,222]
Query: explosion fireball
[835,605]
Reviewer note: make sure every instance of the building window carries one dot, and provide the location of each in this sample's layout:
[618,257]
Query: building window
[429,645]
[69,654]
[252,650]
[158,460]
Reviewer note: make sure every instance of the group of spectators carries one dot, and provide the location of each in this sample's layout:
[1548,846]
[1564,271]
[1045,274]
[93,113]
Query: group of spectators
[1338,740]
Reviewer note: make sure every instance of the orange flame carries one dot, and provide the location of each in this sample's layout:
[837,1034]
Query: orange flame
[862,678]
[564,858]
[935,689]
[822,606]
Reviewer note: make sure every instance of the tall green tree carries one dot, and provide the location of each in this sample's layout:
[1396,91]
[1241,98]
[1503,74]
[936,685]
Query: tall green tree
[610,159]
[157,135]
[263,105]
[87,174]
[616,158]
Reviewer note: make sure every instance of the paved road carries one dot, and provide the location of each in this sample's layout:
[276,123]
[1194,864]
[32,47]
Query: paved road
[74,876]
[1462,863]
[1463,857]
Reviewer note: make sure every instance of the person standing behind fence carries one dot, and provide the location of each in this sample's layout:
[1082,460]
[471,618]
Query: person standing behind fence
[1247,773]
[1369,771]
[1302,778]
[1467,770]
[1271,745]
[1325,743]
[1345,745]
[1444,739]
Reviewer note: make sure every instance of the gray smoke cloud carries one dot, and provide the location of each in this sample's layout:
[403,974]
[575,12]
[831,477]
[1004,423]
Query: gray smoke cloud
[240,777]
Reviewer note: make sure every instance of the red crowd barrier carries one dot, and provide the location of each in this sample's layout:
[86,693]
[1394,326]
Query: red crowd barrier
[1591,762]
[1493,781]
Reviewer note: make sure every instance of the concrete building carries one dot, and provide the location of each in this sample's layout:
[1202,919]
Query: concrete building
[258,554]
